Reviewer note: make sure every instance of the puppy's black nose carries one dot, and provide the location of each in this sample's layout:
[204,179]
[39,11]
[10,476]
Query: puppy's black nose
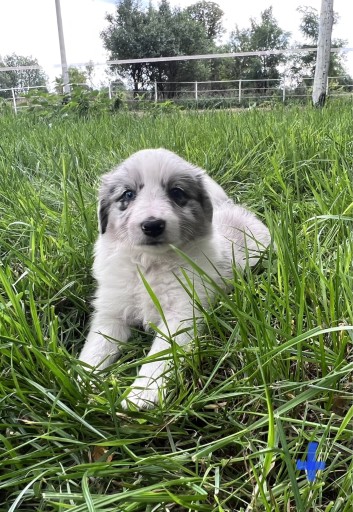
[153,227]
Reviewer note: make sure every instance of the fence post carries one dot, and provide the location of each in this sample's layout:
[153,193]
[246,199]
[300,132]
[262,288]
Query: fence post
[14,100]
[155,92]
[196,96]
[284,89]
[110,90]
[239,91]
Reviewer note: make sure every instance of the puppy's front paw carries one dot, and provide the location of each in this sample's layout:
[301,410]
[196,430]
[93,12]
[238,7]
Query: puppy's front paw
[144,393]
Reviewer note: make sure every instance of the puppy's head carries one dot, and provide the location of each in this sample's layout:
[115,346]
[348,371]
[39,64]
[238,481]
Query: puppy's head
[153,199]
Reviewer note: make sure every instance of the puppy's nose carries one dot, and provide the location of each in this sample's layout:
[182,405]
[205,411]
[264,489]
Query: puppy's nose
[153,227]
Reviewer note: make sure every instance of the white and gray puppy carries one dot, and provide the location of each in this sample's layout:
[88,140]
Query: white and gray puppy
[151,202]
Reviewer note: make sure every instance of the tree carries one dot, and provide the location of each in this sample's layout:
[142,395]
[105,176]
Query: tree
[304,65]
[138,32]
[20,79]
[178,34]
[89,67]
[124,39]
[210,15]
[261,36]
[323,53]
[77,78]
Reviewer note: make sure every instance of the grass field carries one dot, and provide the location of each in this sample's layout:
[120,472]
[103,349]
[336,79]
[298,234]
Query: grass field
[272,372]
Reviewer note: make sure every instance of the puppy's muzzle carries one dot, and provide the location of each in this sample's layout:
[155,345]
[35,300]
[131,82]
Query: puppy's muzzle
[153,227]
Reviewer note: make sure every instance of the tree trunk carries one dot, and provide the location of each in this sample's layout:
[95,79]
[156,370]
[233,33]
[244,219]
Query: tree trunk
[135,79]
[323,53]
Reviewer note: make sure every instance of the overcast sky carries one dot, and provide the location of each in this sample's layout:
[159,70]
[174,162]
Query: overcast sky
[28,27]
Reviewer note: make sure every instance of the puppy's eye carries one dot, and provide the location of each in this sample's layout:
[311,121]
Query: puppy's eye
[178,195]
[128,195]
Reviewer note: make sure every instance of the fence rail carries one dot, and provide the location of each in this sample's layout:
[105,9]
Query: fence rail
[239,91]
[236,92]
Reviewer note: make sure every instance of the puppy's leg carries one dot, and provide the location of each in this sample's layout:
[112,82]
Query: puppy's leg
[102,344]
[149,383]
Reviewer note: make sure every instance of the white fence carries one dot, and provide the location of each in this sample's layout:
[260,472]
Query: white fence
[226,92]
[19,96]
[236,91]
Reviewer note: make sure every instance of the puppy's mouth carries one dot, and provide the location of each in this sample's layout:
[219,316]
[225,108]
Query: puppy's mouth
[154,246]
[154,243]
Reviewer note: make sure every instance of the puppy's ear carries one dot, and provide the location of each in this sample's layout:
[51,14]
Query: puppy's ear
[106,190]
[205,200]
[103,214]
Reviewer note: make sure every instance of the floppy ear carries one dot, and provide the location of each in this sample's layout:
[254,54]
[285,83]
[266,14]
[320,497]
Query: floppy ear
[106,190]
[103,214]
[205,200]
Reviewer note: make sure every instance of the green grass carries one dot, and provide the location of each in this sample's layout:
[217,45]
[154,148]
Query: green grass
[271,372]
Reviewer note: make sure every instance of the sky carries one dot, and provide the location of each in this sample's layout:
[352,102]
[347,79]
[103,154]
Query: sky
[29,27]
